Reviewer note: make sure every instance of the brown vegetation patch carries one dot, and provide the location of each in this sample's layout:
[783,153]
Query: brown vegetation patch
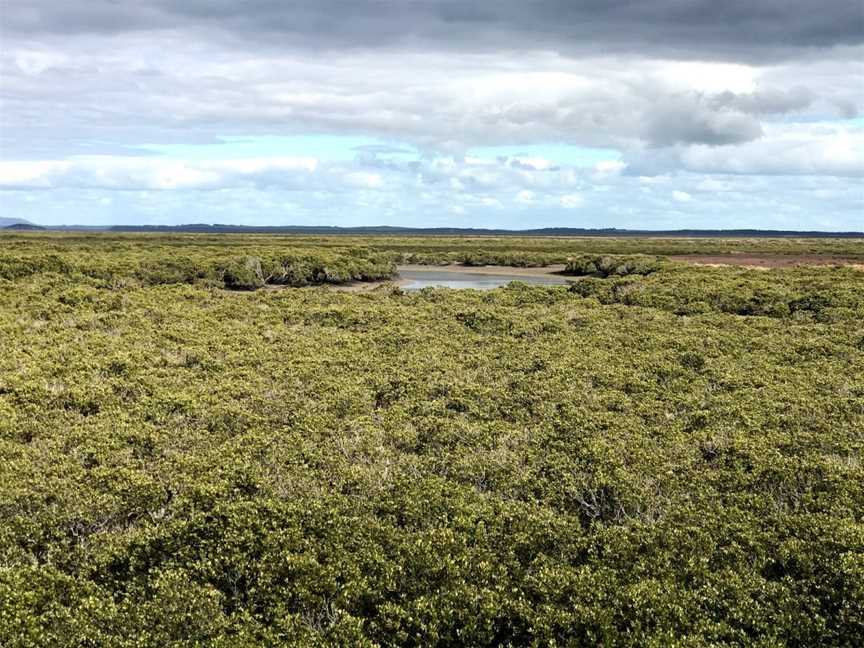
[765,261]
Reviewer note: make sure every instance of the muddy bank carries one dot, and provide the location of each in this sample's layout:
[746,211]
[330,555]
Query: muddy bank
[412,277]
[486,270]
[765,261]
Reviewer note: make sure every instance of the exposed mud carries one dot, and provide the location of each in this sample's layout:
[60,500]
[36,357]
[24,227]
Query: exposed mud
[765,261]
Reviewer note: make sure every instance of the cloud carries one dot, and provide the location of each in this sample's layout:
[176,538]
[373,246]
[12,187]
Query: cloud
[430,192]
[532,164]
[765,101]
[787,149]
[108,99]
[380,149]
[722,118]
[135,174]
[571,201]
[749,30]
[685,120]
[480,179]
[101,99]
[609,166]
[364,180]
[526,197]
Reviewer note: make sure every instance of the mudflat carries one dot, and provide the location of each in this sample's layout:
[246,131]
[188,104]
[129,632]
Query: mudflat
[766,261]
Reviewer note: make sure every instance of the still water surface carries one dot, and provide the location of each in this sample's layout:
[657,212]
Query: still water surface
[417,279]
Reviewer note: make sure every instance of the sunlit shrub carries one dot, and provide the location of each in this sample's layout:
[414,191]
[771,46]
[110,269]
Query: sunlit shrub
[638,459]
[611,265]
[243,273]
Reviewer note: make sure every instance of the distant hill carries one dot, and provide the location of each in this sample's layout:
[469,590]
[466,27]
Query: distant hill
[6,222]
[387,230]
[22,227]
[457,231]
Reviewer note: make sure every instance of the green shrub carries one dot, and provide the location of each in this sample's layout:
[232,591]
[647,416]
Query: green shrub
[242,273]
[671,458]
[610,265]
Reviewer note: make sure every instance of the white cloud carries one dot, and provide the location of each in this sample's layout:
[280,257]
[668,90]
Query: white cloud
[710,77]
[162,189]
[713,131]
[609,166]
[793,149]
[131,173]
[158,88]
[364,180]
[534,163]
[572,201]
[826,148]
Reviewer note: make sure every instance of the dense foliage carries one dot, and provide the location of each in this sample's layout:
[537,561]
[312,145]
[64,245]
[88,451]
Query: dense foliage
[611,265]
[671,458]
[150,262]
[429,250]
[804,294]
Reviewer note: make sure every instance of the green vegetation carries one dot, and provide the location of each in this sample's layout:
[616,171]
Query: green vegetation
[125,260]
[538,252]
[673,457]
[533,252]
[802,294]
[513,251]
[611,265]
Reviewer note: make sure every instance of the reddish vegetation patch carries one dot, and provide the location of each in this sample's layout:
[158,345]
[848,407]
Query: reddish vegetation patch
[764,260]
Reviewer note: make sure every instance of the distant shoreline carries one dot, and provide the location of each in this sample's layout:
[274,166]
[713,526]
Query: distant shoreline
[556,232]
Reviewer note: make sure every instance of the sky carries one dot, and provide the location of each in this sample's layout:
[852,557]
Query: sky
[515,114]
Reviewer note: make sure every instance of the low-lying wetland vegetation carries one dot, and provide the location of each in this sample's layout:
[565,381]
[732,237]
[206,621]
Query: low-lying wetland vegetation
[658,454]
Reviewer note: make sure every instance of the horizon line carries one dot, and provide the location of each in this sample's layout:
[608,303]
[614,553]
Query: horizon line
[23,225]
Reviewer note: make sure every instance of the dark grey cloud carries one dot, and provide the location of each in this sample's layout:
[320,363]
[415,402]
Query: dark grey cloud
[747,30]
[770,101]
[683,120]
